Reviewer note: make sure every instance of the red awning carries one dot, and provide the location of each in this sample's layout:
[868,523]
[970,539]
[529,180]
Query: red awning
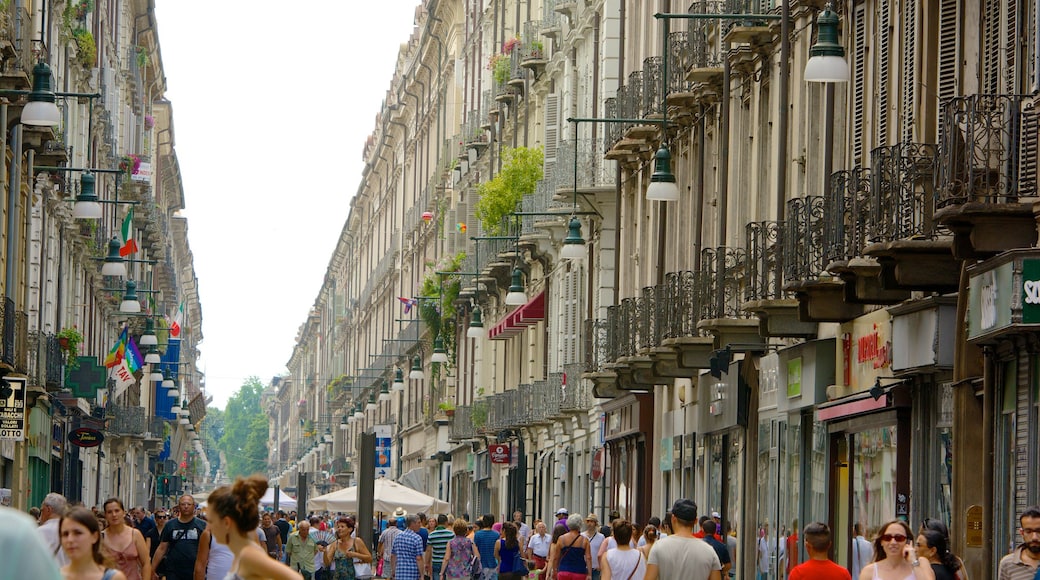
[516,321]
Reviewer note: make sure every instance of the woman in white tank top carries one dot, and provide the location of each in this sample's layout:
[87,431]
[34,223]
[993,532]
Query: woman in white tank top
[623,562]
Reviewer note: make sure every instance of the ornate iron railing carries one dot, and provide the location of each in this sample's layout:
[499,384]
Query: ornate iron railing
[723,273]
[678,61]
[126,419]
[550,17]
[593,169]
[595,338]
[542,400]
[613,131]
[846,215]
[681,305]
[765,260]
[473,130]
[902,178]
[989,149]
[517,73]
[532,48]
[633,106]
[803,239]
[576,394]
[703,53]
[156,427]
[554,395]
[749,7]
[462,426]
[651,316]
[653,71]
[541,201]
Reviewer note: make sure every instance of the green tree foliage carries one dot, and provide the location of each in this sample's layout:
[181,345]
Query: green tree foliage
[499,197]
[211,431]
[244,441]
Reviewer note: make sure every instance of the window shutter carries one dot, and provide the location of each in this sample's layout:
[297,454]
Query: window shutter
[909,81]
[991,47]
[1028,151]
[859,78]
[883,70]
[552,130]
[949,32]
[449,232]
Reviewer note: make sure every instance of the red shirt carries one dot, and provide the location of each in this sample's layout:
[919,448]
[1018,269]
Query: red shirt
[819,570]
[700,534]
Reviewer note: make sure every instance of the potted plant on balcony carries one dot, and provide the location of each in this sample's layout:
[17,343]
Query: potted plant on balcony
[499,66]
[69,339]
[499,197]
[86,48]
[130,164]
[448,407]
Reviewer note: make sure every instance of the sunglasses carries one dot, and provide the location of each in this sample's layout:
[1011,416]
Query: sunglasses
[161,516]
[897,537]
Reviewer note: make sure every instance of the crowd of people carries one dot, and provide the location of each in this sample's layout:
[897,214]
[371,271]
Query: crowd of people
[232,539]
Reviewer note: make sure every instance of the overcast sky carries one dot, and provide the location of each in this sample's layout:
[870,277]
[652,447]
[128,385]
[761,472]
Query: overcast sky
[272,103]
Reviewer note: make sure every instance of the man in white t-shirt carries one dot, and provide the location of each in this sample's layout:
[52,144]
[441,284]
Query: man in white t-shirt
[681,555]
[51,511]
[595,539]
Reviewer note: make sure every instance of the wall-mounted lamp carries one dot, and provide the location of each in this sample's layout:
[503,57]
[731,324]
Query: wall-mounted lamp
[573,244]
[384,392]
[114,264]
[879,390]
[398,385]
[153,358]
[662,182]
[516,295]
[358,412]
[371,406]
[148,338]
[41,110]
[827,57]
[130,304]
[416,374]
[87,206]
[476,324]
[440,354]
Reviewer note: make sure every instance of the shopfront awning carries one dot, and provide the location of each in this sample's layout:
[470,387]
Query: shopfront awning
[516,321]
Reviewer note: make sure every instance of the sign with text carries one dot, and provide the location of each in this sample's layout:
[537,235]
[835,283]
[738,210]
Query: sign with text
[12,409]
[499,453]
[383,450]
[84,437]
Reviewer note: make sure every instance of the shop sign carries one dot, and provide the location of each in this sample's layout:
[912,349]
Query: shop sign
[866,350]
[1030,291]
[499,453]
[12,409]
[990,298]
[794,378]
[39,435]
[597,464]
[84,437]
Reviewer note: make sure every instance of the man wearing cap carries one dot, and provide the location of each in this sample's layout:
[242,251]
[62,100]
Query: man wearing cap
[681,555]
[561,520]
[386,539]
[595,540]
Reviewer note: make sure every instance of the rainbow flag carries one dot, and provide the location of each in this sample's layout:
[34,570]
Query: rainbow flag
[115,356]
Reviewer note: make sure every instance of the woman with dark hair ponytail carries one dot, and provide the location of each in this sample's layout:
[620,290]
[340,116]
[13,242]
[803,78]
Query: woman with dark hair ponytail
[234,513]
[939,526]
[934,546]
[80,536]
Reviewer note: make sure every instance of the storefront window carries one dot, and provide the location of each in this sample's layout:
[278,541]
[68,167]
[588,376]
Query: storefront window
[1004,469]
[779,476]
[873,478]
[816,487]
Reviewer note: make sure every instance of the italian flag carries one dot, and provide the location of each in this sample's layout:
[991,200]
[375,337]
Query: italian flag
[178,319]
[129,243]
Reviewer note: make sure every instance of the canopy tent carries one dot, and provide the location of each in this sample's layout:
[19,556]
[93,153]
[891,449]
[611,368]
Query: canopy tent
[285,502]
[389,495]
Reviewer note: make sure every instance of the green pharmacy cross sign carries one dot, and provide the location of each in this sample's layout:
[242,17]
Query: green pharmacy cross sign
[85,380]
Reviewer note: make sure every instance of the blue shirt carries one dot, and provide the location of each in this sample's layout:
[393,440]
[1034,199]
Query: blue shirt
[425,535]
[485,541]
[407,547]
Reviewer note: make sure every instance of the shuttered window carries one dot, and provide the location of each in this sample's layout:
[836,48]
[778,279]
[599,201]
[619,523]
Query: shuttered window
[881,84]
[552,131]
[859,78]
[909,77]
[949,55]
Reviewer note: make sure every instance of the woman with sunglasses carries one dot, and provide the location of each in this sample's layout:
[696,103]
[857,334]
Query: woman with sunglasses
[895,557]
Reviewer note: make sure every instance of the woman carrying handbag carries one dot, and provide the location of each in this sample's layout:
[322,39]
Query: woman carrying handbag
[460,557]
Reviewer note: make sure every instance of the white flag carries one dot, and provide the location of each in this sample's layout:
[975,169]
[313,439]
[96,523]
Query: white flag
[123,377]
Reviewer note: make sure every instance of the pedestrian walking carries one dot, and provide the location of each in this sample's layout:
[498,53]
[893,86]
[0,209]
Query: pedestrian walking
[895,557]
[406,558]
[572,558]
[346,550]
[81,539]
[538,545]
[817,538]
[939,526]
[233,522]
[300,550]
[485,539]
[460,556]
[681,555]
[508,552]
[622,562]
[933,546]
[862,550]
[179,543]
[25,553]
[1023,563]
[125,544]
[51,511]
[712,539]
[438,544]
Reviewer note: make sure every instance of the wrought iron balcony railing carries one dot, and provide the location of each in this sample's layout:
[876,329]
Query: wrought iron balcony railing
[846,215]
[541,201]
[593,170]
[553,395]
[45,360]
[989,149]
[156,428]
[532,48]
[765,260]
[544,400]
[576,396]
[126,419]
[681,306]
[15,336]
[550,19]
[902,190]
[652,311]
[749,7]
[633,106]
[703,53]
[613,131]
[678,61]
[653,71]
[803,239]
[595,348]
[723,273]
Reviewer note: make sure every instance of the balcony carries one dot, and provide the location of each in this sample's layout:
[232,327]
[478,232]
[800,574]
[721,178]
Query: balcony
[550,25]
[724,275]
[15,338]
[505,92]
[705,56]
[590,175]
[629,143]
[45,361]
[576,397]
[517,73]
[751,31]
[681,306]
[462,428]
[764,295]
[533,55]
[681,98]
[846,230]
[125,420]
[821,297]
[987,175]
[603,379]
[16,38]
[913,253]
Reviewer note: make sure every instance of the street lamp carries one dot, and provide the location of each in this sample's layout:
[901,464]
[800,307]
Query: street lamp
[573,244]
[440,354]
[827,57]
[476,324]
[662,183]
[516,295]
[398,384]
[416,374]
[114,264]
[130,304]
[41,110]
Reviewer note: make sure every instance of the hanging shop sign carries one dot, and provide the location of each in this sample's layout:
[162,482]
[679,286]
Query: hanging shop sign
[1004,295]
[597,464]
[84,437]
[12,409]
[383,450]
[499,453]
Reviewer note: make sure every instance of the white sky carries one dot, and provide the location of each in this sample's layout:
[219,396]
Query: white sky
[272,103]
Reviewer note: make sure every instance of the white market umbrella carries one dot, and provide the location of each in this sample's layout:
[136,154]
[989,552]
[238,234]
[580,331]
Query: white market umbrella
[284,500]
[389,495]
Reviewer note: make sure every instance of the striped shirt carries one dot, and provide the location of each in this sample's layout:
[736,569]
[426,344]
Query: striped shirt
[439,539]
[1013,568]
